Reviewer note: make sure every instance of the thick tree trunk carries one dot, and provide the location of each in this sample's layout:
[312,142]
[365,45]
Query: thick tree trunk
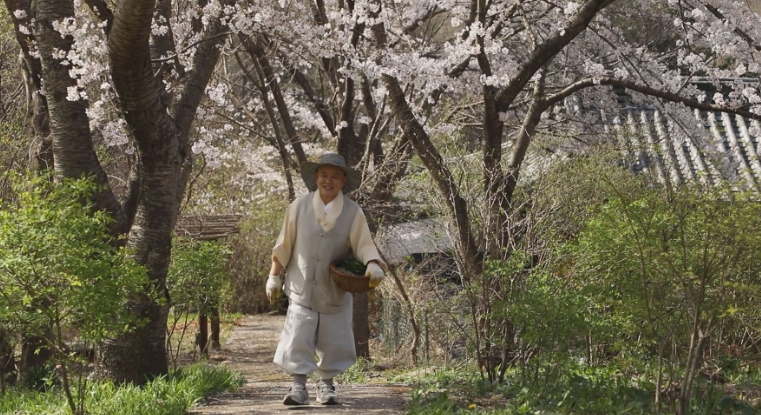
[69,125]
[141,355]
[164,162]
[7,360]
[35,353]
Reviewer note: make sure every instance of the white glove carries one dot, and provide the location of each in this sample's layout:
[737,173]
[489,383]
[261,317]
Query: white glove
[273,288]
[375,272]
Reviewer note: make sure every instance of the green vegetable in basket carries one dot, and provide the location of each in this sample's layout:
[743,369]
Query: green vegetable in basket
[351,265]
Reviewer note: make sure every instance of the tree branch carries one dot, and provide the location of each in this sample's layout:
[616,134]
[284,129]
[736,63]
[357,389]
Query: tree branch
[547,50]
[101,10]
[256,50]
[647,90]
[746,37]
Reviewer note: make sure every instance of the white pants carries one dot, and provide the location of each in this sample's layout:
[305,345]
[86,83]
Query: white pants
[307,332]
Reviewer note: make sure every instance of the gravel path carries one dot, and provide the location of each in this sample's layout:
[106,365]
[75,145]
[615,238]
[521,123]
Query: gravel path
[250,349]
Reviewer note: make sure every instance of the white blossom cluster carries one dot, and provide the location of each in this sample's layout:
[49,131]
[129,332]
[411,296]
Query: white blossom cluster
[87,59]
[437,53]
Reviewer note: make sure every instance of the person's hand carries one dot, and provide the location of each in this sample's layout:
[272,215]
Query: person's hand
[375,272]
[273,288]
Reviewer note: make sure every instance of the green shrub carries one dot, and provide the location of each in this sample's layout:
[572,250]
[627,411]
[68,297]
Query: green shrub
[198,275]
[252,256]
[197,281]
[60,272]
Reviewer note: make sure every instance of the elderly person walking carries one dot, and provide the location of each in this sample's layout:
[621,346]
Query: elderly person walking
[320,227]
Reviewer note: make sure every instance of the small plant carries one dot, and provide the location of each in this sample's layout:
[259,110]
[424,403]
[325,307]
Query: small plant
[355,373]
[197,280]
[352,266]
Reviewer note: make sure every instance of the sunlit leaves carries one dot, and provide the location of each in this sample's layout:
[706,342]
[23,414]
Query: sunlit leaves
[57,264]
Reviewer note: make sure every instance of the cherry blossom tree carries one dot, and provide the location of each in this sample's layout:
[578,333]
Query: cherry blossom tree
[379,81]
[371,76]
[120,76]
[509,67]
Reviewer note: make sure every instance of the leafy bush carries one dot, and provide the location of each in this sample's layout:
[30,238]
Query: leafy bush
[57,264]
[619,295]
[197,280]
[252,256]
[60,271]
[675,269]
[198,275]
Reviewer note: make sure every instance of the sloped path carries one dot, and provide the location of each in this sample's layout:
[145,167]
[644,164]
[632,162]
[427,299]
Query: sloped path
[250,349]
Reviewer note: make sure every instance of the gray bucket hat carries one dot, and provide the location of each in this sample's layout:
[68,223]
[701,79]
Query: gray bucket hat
[308,170]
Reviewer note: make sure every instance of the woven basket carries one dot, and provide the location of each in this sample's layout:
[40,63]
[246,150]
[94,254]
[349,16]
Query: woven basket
[352,283]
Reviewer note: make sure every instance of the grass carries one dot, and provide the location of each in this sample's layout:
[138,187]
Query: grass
[356,373]
[568,391]
[171,395]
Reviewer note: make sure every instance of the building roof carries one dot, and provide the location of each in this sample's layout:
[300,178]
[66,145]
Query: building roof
[724,147]
[207,227]
[399,241]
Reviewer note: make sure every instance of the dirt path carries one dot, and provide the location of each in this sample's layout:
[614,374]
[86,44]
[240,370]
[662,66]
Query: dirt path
[250,348]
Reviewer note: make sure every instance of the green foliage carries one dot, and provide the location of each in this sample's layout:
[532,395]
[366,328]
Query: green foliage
[355,373]
[252,256]
[173,395]
[616,292]
[197,280]
[60,271]
[57,266]
[546,310]
[577,389]
[673,268]
[675,240]
[198,274]
[352,266]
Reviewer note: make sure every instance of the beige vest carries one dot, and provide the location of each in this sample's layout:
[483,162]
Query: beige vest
[307,280]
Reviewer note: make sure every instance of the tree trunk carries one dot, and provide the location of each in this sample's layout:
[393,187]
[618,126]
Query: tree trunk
[164,160]
[35,353]
[7,360]
[361,326]
[215,343]
[141,355]
[203,334]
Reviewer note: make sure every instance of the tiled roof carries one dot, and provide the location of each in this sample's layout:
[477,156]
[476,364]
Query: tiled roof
[419,236]
[207,227]
[727,148]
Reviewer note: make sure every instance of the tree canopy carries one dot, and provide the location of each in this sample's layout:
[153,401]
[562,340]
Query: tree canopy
[138,93]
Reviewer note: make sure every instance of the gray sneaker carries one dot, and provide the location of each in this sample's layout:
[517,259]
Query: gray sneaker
[326,394]
[297,395]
